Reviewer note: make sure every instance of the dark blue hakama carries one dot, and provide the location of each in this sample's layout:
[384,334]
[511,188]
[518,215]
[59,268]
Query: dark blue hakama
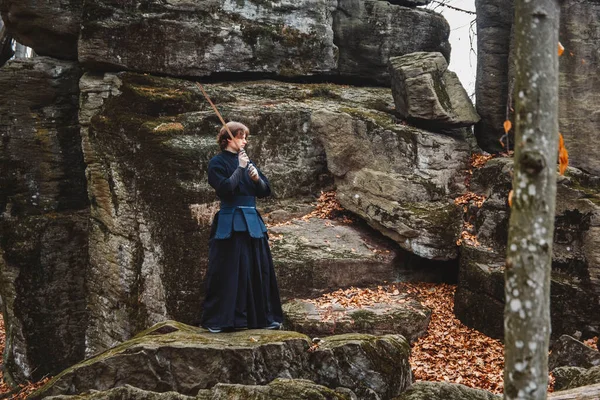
[241,287]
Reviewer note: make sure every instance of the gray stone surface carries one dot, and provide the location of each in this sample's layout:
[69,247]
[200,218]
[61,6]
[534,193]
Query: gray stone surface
[591,392]
[570,352]
[400,179]
[289,39]
[43,218]
[126,392]
[318,255]
[579,83]
[494,24]
[50,27]
[186,359]
[198,38]
[427,93]
[385,30]
[405,316]
[445,391]
[289,389]
[575,276]
[579,91]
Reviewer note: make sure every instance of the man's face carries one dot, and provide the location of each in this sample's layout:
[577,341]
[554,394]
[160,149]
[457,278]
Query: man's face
[241,140]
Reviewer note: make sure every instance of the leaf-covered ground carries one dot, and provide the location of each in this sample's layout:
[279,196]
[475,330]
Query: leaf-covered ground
[450,351]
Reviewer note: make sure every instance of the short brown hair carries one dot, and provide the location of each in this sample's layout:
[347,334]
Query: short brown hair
[236,128]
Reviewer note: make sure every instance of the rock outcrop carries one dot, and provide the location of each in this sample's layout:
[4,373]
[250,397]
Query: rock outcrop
[147,141]
[175,357]
[400,179]
[317,255]
[579,83]
[405,316]
[50,27]
[492,88]
[289,389]
[385,30]
[44,212]
[202,38]
[288,39]
[579,89]
[445,391]
[575,283]
[428,94]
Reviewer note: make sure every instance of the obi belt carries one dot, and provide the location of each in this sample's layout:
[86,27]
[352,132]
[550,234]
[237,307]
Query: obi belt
[239,214]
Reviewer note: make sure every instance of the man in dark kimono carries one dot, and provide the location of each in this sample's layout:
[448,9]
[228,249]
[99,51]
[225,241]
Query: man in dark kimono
[241,288]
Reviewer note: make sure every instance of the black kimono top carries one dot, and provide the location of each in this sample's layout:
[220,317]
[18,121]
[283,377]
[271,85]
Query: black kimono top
[237,192]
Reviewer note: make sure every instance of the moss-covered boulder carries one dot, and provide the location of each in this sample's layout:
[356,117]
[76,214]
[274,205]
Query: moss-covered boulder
[406,317]
[174,357]
[315,255]
[445,391]
[126,392]
[575,290]
[289,389]
[44,212]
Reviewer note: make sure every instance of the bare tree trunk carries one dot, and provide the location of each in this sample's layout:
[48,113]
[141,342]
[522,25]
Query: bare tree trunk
[529,254]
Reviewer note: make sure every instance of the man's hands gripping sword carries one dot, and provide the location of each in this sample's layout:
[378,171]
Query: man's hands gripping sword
[244,162]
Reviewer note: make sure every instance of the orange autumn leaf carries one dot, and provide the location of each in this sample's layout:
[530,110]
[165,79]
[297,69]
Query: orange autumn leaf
[510,196]
[563,155]
[507,126]
[561,49]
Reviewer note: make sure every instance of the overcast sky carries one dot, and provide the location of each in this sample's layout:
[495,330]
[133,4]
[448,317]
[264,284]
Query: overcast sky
[463,60]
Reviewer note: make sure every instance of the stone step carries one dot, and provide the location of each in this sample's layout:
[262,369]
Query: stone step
[317,255]
[403,316]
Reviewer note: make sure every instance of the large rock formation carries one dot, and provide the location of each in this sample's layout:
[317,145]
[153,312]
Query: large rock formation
[385,30]
[575,290]
[147,141]
[199,38]
[44,214]
[400,179]
[494,24]
[579,94]
[50,27]
[579,77]
[176,357]
[289,39]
